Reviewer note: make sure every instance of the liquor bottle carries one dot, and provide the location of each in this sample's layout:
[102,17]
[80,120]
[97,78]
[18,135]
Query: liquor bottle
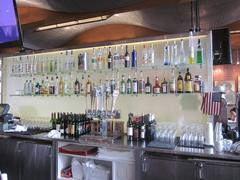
[182,56]
[66,83]
[144,55]
[72,62]
[151,55]
[46,87]
[99,59]
[164,86]
[141,84]
[135,84]
[199,53]
[51,87]
[37,89]
[56,86]
[122,57]
[112,84]
[66,69]
[26,88]
[61,86]
[129,85]
[110,59]
[116,58]
[127,58]
[82,86]
[134,57]
[166,58]
[180,83]
[172,83]
[191,49]
[148,87]
[88,86]
[198,84]
[188,82]
[130,127]
[29,88]
[156,87]
[77,87]
[42,88]
[175,59]
[33,87]
[94,60]
[70,87]
[123,86]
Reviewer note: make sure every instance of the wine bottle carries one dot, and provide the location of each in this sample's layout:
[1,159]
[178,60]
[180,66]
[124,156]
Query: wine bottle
[123,86]
[127,58]
[180,83]
[130,127]
[129,85]
[148,87]
[135,84]
[77,87]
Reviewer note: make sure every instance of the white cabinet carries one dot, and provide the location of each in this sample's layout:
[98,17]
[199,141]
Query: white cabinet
[122,166]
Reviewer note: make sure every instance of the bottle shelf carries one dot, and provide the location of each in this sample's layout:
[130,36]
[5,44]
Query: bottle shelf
[122,95]
[102,71]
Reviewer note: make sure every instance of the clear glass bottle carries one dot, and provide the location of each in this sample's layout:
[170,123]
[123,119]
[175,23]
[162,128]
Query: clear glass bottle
[191,49]
[182,56]
[144,56]
[141,84]
[123,86]
[151,55]
[166,58]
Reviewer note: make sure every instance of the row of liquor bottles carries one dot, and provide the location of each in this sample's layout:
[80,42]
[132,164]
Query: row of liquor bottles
[101,58]
[70,124]
[75,125]
[67,86]
[141,127]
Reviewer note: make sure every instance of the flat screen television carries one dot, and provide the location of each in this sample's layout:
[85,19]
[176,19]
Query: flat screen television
[10,31]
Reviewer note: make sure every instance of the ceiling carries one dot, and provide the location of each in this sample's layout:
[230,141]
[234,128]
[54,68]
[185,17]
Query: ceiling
[157,16]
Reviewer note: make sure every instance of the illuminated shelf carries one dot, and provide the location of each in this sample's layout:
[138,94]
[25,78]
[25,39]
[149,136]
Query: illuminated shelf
[156,67]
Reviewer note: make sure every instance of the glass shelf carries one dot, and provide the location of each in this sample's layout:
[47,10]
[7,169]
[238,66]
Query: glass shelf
[157,67]
[121,95]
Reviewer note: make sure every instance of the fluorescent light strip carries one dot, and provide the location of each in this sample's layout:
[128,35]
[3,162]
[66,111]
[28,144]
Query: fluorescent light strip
[73,23]
[235,32]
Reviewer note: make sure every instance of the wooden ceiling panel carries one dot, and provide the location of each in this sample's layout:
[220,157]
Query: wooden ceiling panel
[111,32]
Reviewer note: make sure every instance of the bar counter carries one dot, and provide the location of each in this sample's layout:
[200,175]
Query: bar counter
[123,143]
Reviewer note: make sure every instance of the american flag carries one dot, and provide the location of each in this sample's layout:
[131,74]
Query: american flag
[211,104]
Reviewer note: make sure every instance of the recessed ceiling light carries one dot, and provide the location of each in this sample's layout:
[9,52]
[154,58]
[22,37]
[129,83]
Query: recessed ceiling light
[73,23]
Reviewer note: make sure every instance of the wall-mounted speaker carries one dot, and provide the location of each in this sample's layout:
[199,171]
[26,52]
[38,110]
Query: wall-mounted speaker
[221,46]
